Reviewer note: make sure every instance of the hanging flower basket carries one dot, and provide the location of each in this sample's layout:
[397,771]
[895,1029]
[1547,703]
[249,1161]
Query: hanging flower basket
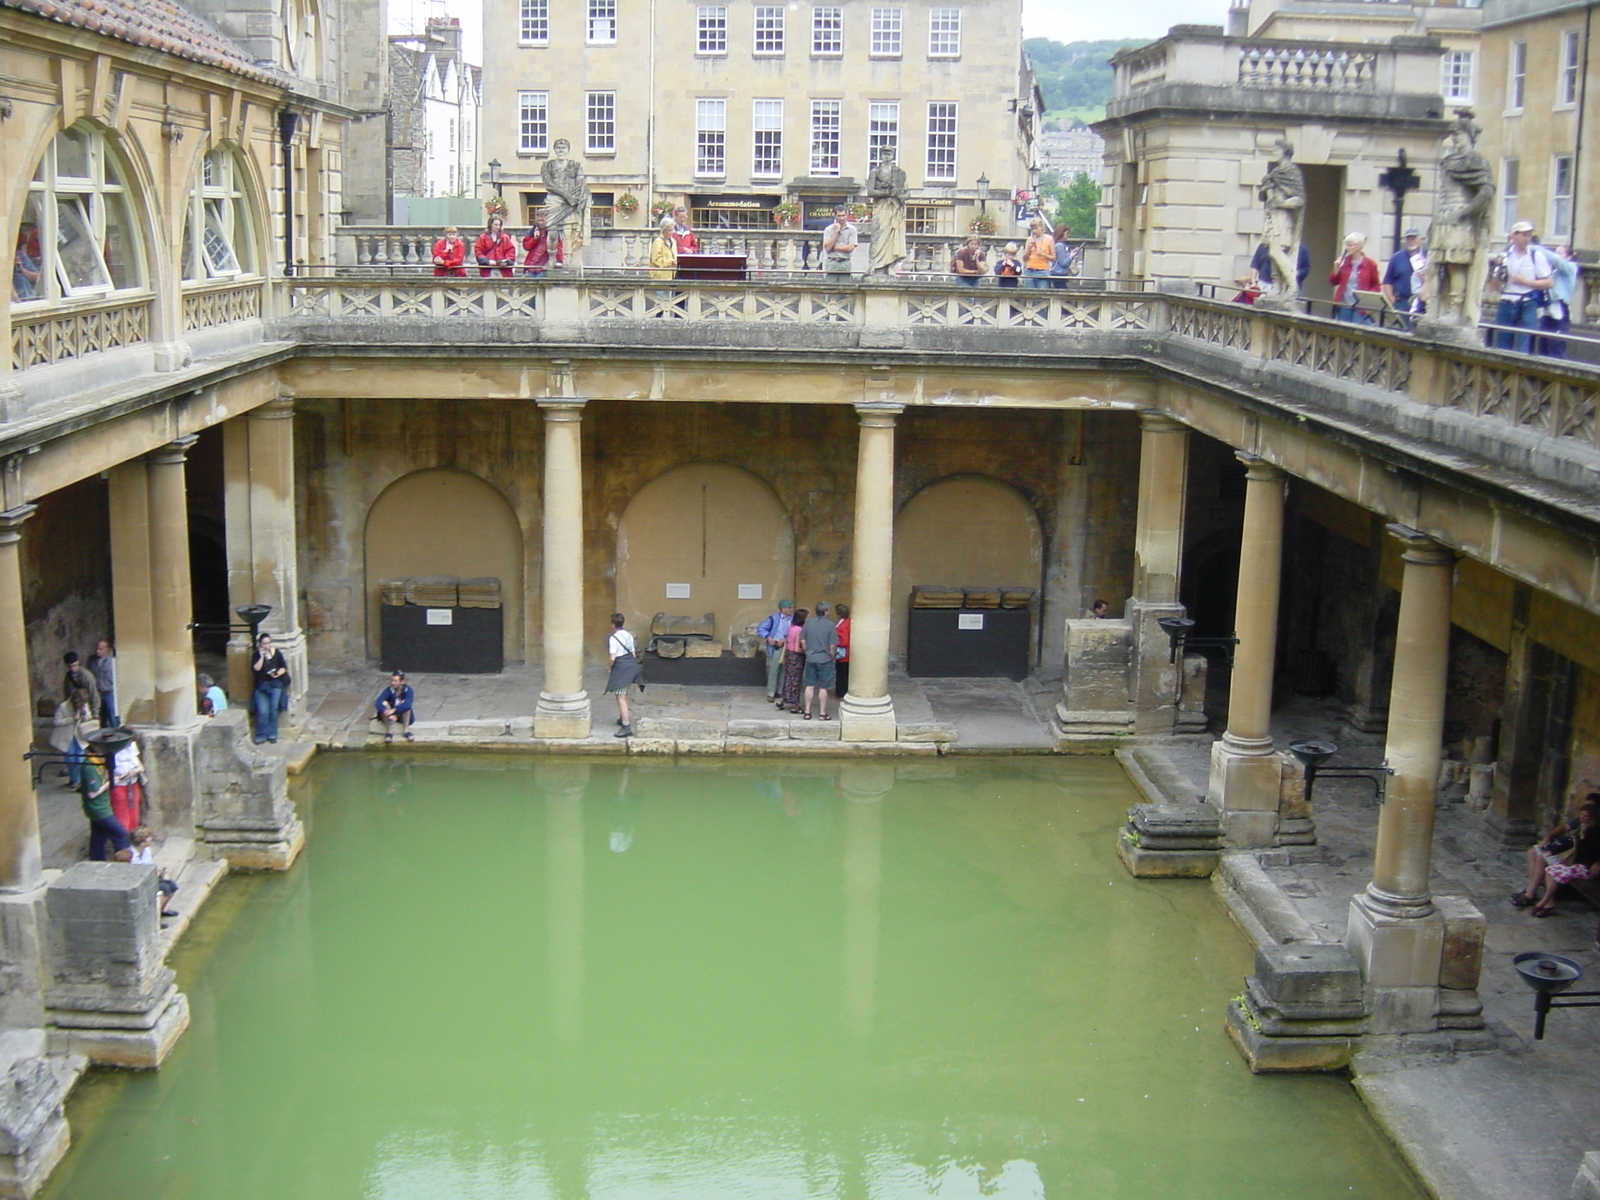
[860,211]
[627,204]
[495,206]
[787,213]
[983,225]
[659,209]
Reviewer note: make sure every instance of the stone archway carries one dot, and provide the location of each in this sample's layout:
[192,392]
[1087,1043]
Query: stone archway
[713,527]
[442,521]
[967,530]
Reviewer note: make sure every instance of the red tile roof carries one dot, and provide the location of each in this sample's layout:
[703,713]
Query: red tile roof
[157,24]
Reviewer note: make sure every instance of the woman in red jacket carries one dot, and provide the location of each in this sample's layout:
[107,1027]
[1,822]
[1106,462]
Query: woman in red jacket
[1352,273]
[494,250]
[450,254]
[540,247]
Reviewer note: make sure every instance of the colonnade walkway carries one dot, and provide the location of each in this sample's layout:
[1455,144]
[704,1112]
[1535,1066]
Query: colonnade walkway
[1514,1117]
[932,715]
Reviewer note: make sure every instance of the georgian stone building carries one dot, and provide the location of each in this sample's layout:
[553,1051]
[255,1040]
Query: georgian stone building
[735,108]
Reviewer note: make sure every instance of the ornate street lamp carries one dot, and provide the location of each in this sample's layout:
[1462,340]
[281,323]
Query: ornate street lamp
[983,194]
[494,177]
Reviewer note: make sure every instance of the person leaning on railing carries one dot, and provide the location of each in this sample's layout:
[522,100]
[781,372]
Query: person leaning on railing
[969,263]
[450,254]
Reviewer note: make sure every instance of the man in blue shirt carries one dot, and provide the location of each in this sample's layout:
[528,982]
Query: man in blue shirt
[394,707]
[1407,268]
[773,632]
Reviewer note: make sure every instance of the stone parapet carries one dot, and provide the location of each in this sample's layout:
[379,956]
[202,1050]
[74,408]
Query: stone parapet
[33,1128]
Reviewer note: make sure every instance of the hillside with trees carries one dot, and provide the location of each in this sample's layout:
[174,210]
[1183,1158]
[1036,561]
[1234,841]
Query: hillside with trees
[1074,76]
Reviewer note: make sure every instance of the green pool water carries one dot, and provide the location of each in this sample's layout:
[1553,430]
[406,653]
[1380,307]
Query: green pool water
[507,978]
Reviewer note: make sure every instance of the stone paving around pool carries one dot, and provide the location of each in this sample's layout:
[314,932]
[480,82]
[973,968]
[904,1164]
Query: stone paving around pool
[932,717]
[1501,1117]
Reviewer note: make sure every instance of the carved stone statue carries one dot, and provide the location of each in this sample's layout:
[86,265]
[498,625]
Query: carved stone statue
[566,202]
[1283,194]
[886,188]
[1458,240]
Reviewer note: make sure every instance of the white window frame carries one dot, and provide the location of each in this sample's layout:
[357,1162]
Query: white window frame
[1516,77]
[766,139]
[533,23]
[944,33]
[769,31]
[600,123]
[1457,68]
[533,122]
[1561,197]
[883,129]
[710,138]
[942,144]
[827,127]
[600,28]
[827,31]
[888,32]
[711,22]
[88,197]
[1568,69]
[218,206]
[1510,183]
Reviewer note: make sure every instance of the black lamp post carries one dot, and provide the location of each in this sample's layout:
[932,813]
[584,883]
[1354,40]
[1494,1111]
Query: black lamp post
[1313,753]
[250,616]
[1548,975]
[1177,631]
[494,177]
[1397,181]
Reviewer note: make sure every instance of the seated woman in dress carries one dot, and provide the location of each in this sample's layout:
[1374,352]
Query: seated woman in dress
[1546,869]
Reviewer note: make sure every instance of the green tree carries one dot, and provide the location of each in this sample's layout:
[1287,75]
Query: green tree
[1075,204]
[1073,74]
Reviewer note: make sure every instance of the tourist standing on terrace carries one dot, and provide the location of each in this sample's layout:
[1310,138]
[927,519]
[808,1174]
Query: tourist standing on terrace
[683,238]
[821,642]
[794,664]
[494,250]
[272,682]
[450,254]
[664,252]
[1529,274]
[1354,272]
[838,243]
[1405,278]
[1556,317]
[1038,255]
[773,632]
[103,666]
[841,684]
[969,263]
[540,247]
[624,660]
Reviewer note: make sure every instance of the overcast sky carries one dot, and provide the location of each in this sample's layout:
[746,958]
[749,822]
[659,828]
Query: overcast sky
[1063,20]
[1084,21]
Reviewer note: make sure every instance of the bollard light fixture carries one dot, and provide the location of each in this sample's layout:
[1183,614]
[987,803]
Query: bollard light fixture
[1177,631]
[1550,975]
[1313,752]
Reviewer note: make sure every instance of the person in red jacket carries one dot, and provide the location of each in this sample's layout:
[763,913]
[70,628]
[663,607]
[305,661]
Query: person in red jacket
[450,254]
[540,247]
[1352,273]
[494,250]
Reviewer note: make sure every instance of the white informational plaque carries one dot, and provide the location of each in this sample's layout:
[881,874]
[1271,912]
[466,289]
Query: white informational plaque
[969,620]
[677,591]
[441,616]
[749,591]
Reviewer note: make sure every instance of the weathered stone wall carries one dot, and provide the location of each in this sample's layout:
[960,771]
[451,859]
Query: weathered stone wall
[1077,472]
[66,572]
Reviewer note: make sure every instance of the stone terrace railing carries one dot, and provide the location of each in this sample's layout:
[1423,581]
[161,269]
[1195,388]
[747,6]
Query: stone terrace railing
[1313,67]
[1544,398]
[43,336]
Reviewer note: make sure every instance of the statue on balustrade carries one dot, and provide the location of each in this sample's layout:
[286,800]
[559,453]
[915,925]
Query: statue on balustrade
[886,188]
[1283,195]
[1458,241]
[566,201]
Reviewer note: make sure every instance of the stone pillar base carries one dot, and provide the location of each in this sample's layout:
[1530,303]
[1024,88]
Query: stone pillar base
[1301,1011]
[169,763]
[1400,959]
[245,814]
[1170,841]
[862,720]
[1244,787]
[560,716]
[1509,833]
[30,1111]
[138,1041]
[109,997]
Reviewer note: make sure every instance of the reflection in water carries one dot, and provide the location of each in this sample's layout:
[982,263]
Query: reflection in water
[858,981]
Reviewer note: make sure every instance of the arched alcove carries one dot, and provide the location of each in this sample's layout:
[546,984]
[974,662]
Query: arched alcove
[442,521]
[965,531]
[712,527]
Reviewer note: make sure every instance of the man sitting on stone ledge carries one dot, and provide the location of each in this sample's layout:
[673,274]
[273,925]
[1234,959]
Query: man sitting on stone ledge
[395,707]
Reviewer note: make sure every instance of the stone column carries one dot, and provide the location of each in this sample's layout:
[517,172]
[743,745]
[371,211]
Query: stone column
[1245,773]
[1404,945]
[259,452]
[129,497]
[172,607]
[563,710]
[19,807]
[1155,680]
[1399,886]
[169,746]
[867,713]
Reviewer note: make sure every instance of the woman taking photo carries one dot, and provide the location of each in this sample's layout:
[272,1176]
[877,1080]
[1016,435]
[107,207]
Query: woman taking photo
[272,681]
